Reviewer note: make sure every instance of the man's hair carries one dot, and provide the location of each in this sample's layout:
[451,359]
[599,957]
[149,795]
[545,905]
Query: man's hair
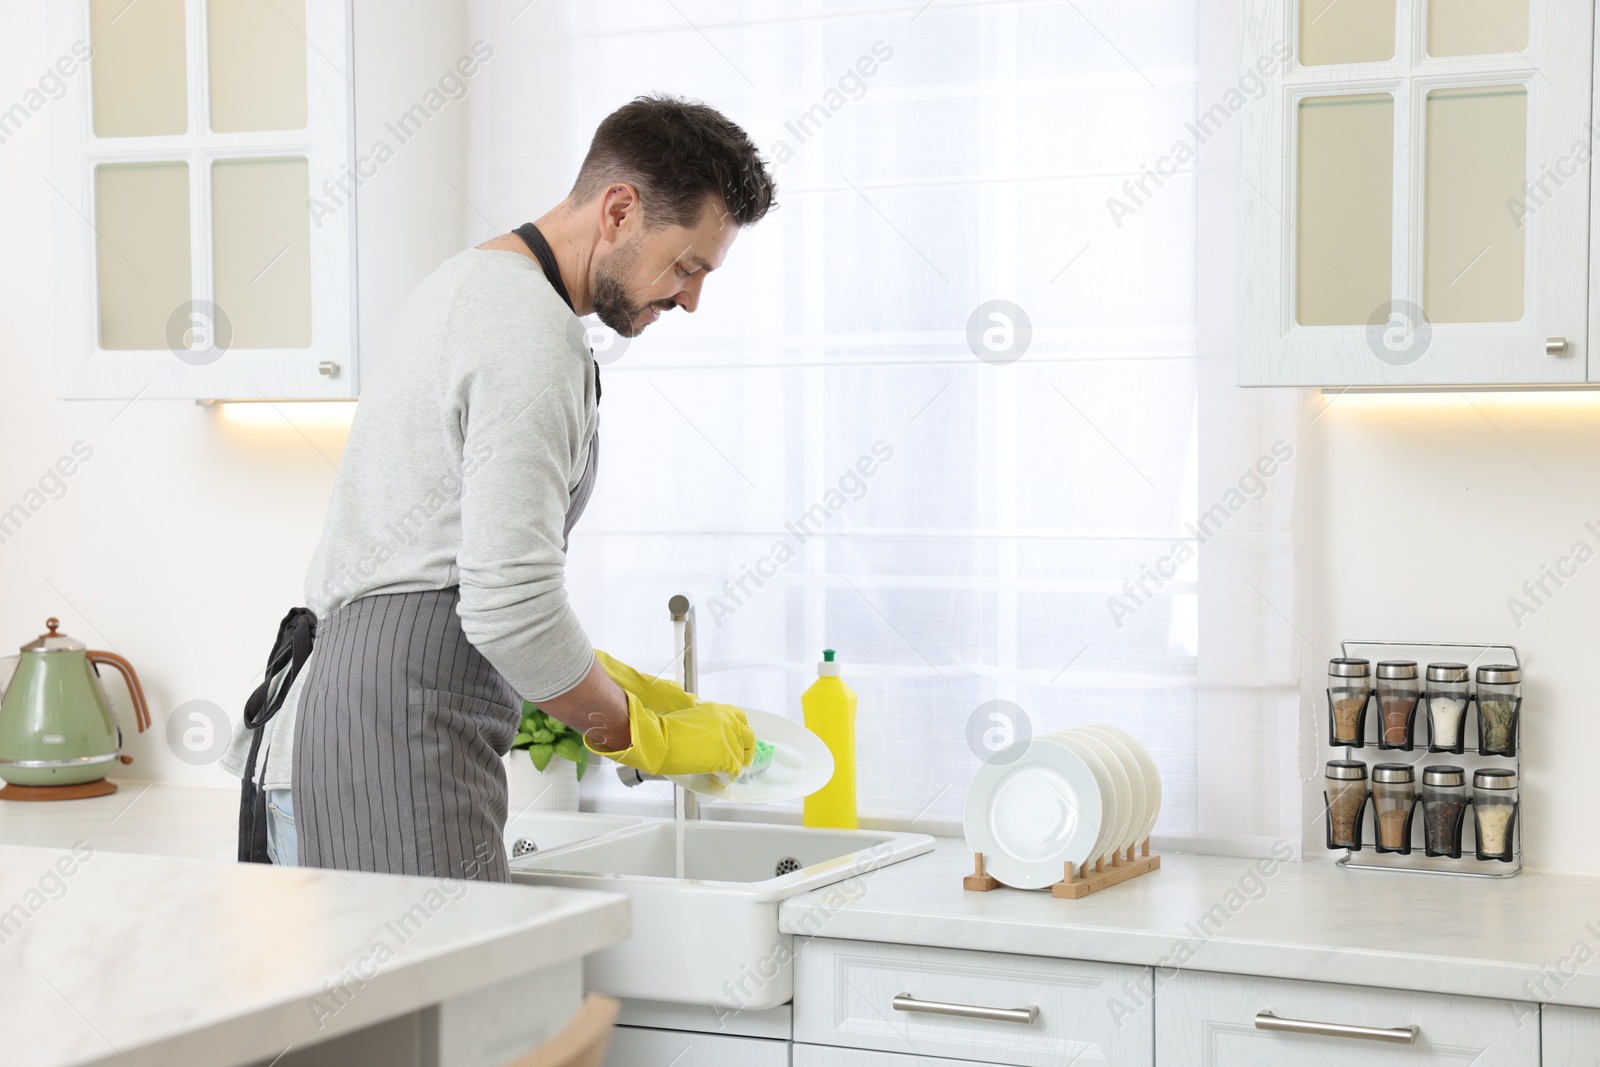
[674,152]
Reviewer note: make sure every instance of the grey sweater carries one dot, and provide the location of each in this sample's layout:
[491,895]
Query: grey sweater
[466,452]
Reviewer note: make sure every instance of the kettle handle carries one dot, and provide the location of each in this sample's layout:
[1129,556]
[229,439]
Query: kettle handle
[9,675]
[141,710]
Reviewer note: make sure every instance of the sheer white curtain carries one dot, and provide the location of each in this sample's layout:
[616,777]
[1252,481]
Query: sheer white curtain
[819,459]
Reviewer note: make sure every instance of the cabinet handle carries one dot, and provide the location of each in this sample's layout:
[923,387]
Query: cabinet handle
[328,368]
[1400,1035]
[907,1002]
[1555,346]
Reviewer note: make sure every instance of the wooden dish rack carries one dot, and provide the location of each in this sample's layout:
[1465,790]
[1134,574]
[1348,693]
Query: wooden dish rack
[1080,883]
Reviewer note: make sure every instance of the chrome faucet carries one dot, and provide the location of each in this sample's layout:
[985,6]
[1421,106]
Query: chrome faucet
[683,611]
[684,801]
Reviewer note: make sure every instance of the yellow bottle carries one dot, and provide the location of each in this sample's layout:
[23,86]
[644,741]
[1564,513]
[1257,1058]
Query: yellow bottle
[830,710]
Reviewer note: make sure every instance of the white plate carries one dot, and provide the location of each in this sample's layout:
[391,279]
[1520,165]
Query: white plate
[1116,792]
[801,765]
[1130,766]
[1033,816]
[1152,777]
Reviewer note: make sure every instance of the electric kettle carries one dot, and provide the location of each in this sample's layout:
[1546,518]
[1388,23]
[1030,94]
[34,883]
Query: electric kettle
[58,739]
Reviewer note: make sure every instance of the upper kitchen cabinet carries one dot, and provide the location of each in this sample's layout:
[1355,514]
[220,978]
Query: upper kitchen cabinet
[1414,192]
[237,213]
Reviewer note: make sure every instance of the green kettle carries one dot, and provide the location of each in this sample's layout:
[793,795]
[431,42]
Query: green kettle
[58,738]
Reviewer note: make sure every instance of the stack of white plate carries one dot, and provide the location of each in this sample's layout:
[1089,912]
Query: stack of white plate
[1073,796]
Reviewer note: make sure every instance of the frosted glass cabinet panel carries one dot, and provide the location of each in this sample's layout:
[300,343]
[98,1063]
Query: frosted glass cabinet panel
[1475,164]
[1346,184]
[1477,27]
[1346,31]
[262,250]
[1414,195]
[140,67]
[257,64]
[187,262]
[142,251]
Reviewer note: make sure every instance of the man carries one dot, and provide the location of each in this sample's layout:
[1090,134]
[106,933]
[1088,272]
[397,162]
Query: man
[438,583]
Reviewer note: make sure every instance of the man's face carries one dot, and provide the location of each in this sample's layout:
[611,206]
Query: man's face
[649,271]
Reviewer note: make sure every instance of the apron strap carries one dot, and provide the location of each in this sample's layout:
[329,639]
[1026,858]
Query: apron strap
[290,649]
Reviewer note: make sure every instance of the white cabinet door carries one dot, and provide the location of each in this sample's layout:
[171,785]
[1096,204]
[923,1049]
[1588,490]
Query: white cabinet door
[1571,1036]
[1414,191]
[189,152]
[985,1006]
[826,1056]
[635,1047]
[1215,1020]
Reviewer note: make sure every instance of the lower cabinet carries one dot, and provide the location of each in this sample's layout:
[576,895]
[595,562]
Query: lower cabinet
[869,1004]
[1225,1020]
[633,1046]
[830,1056]
[1571,1036]
[952,1004]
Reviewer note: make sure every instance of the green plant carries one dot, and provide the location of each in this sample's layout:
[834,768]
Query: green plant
[544,736]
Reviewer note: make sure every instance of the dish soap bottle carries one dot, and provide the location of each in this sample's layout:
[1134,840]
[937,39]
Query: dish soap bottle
[830,711]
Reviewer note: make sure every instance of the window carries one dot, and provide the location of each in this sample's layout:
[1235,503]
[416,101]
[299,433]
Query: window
[961,408]
[190,165]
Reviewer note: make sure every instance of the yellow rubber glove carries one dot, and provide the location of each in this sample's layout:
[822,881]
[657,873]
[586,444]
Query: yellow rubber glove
[675,733]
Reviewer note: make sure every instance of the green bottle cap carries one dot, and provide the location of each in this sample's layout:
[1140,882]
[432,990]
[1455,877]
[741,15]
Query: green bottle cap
[827,655]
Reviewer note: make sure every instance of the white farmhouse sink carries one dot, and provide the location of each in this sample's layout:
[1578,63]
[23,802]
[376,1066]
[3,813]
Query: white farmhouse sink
[541,831]
[712,936]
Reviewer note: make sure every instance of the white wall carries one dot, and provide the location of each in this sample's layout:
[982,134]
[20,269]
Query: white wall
[1431,511]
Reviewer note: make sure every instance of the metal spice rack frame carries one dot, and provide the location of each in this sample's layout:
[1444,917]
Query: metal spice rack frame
[1425,652]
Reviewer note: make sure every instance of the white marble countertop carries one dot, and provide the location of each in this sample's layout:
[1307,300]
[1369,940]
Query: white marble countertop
[1523,938]
[112,958]
[195,822]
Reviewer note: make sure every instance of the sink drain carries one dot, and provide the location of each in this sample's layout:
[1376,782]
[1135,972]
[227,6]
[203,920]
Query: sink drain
[522,847]
[787,865]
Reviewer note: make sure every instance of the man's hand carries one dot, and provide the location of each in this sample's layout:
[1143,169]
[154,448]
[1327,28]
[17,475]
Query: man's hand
[672,732]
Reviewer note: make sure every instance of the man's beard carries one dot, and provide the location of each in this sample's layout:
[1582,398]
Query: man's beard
[613,304]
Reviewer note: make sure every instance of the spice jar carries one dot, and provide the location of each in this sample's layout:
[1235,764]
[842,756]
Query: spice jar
[1398,695]
[1346,797]
[1494,808]
[1394,797]
[1499,707]
[1447,706]
[1349,685]
[1444,803]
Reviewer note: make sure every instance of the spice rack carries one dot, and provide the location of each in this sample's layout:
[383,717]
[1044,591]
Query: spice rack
[1417,754]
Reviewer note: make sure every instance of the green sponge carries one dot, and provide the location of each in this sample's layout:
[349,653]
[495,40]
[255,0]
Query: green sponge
[765,750]
[759,762]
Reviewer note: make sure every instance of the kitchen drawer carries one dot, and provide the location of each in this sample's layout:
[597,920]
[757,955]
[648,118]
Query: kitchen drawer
[1571,1036]
[633,1046]
[845,993]
[834,1056]
[1211,1019]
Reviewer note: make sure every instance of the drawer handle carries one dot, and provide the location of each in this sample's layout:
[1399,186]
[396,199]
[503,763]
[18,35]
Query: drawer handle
[907,1002]
[1400,1035]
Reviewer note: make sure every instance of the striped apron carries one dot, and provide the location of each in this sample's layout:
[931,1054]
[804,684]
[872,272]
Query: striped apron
[399,738]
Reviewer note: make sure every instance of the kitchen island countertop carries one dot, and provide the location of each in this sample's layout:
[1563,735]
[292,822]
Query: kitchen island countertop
[108,957]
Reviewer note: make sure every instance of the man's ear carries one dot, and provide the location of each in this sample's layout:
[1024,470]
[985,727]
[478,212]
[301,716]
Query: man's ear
[621,212]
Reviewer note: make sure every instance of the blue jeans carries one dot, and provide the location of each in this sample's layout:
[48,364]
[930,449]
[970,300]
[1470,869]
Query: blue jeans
[282,844]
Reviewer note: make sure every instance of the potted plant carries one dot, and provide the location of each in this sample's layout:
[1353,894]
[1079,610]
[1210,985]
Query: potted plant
[548,779]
